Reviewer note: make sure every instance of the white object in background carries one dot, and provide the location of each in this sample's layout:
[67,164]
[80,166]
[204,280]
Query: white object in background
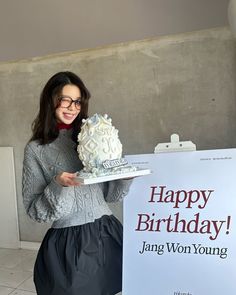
[232,16]
[175,145]
[159,234]
[9,233]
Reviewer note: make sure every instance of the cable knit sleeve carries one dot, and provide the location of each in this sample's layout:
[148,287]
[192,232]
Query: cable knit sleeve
[43,202]
[116,190]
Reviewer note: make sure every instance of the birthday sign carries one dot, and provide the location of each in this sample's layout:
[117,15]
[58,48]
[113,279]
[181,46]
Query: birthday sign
[179,230]
[174,223]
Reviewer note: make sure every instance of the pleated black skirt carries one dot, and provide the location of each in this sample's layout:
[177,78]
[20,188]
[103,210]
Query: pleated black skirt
[81,260]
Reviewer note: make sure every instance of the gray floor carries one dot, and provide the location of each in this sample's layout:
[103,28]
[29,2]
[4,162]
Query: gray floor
[16,268]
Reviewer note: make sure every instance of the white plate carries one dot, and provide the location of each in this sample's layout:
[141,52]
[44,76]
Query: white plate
[91,180]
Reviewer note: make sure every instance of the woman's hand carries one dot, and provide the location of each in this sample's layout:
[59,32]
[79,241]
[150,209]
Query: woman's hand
[67,179]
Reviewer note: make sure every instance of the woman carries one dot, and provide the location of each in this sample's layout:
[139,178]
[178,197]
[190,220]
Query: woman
[81,254]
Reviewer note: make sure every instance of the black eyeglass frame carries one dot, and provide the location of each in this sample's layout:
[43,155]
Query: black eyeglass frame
[77,102]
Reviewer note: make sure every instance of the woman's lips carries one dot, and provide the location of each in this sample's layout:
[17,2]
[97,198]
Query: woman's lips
[68,116]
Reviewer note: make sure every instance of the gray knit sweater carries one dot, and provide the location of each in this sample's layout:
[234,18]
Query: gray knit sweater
[47,201]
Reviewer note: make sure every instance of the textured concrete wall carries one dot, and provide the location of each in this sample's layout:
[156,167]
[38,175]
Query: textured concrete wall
[181,84]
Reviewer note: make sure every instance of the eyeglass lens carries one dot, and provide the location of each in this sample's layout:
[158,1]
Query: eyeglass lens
[66,102]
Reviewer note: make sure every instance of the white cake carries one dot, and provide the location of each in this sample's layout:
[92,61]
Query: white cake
[100,149]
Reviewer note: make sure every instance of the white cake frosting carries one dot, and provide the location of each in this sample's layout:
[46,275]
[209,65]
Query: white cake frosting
[98,144]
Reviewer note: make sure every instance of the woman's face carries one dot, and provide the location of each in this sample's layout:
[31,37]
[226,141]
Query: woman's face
[69,106]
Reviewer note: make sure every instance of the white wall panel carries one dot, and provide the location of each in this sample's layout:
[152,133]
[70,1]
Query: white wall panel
[9,234]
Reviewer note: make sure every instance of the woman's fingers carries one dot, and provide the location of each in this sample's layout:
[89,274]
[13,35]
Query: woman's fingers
[67,179]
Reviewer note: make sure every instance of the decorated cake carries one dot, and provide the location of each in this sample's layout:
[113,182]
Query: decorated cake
[100,149]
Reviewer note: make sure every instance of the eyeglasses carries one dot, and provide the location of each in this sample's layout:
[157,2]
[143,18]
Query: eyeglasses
[66,102]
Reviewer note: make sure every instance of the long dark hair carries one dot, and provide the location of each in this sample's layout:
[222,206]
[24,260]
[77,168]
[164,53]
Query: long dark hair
[44,127]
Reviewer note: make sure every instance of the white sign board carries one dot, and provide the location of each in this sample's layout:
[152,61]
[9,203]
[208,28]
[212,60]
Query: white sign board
[179,225]
[9,233]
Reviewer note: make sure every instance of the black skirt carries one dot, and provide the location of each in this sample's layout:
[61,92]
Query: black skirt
[81,260]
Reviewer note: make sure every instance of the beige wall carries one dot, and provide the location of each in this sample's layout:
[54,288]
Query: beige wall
[35,28]
[181,84]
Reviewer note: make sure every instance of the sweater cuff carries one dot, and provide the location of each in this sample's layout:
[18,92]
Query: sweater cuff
[57,188]
[125,184]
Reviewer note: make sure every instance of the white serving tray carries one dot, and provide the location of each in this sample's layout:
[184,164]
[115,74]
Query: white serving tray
[91,180]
